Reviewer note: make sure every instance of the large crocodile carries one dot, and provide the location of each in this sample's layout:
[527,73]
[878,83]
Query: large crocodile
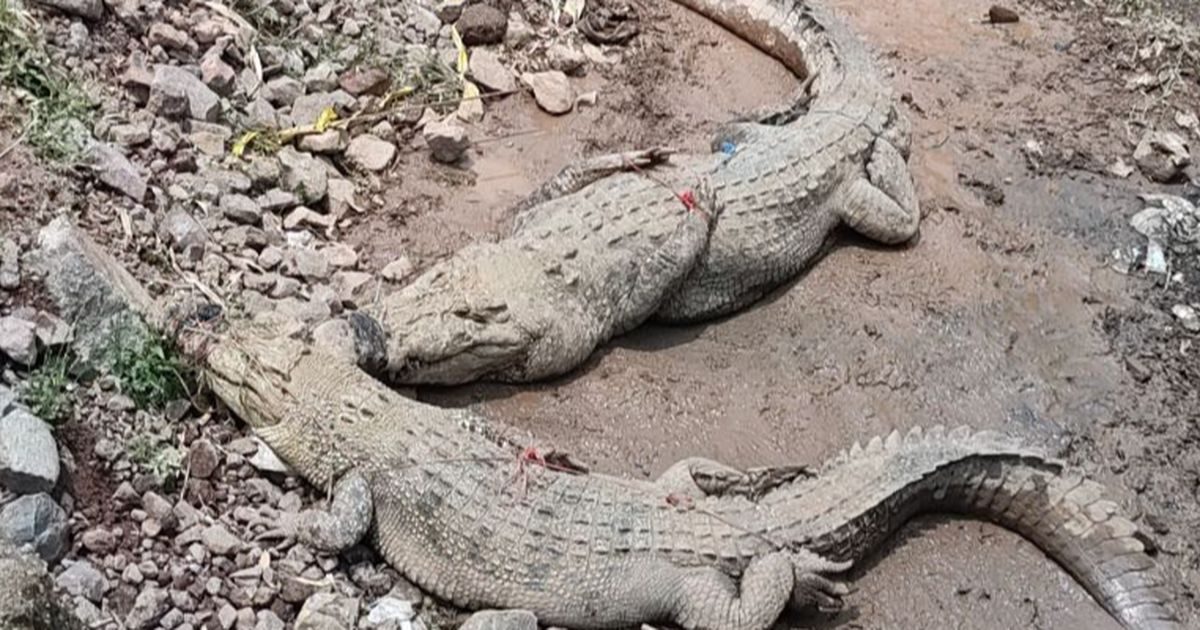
[610,242]
[482,524]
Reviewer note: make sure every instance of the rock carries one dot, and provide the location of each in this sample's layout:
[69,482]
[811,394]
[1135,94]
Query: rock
[275,200]
[266,460]
[306,263]
[1002,15]
[373,81]
[389,613]
[447,141]
[10,264]
[268,620]
[177,93]
[98,540]
[1187,316]
[217,75]
[82,579]
[261,115]
[36,520]
[321,78]
[8,399]
[89,9]
[501,620]
[180,229]
[51,330]
[551,90]
[1162,156]
[481,25]
[219,541]
[150,606]
[302,216]
[28,454]
[241,208]
[308,108]
[203,459]
[330,142]
[347,283]
[303,174]
[130,135]
[340,255]
[167,36]
[116,171]
[27,593]
[282,91]
[370,153]
[398,269]
[18,340]
[337,338]
[490,73]
[132,575]
[341,197]
[327,611]
[567,59]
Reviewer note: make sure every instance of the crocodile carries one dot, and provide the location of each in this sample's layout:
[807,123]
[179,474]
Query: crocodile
[483,523]
[616,240]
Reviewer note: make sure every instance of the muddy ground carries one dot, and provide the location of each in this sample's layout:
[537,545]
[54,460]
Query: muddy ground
[1004,314]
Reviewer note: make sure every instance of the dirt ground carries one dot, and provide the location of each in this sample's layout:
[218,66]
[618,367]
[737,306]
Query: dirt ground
[1002,315]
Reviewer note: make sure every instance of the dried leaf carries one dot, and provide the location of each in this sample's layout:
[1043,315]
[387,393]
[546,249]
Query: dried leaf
[327,116]
[462,65]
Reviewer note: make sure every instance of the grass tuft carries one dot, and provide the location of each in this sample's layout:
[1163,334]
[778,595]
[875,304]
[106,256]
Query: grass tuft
[149,370]
[46,391]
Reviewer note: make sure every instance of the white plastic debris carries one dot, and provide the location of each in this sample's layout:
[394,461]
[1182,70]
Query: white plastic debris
[1171,225]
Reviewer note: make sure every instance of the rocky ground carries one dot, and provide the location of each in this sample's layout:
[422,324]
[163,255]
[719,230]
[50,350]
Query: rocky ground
[294,159]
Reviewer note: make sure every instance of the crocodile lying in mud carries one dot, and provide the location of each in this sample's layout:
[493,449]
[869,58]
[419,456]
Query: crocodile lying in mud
[484,524]
[618,239]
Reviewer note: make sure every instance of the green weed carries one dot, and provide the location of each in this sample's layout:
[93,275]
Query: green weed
[158,458]
[149,370]
[59,111]
[45,391]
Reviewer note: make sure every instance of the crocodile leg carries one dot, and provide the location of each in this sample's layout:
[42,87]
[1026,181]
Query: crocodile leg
[577,176]
[698,477]
[346,522]
[883,206]
[668,265]
[710,599]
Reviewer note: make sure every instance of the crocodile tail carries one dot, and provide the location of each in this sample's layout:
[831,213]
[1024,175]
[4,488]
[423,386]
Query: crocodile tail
[994,477]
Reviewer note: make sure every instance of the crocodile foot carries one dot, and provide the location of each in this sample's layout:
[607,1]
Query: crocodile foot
[811,588]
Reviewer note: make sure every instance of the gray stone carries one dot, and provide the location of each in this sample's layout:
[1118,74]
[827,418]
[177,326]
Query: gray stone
[330,142]
[303,174]
[35,519]
[150,606]
[8,399]
[306,263]
[268,620]
[328,611]
[51,330]
[180,229]
[341,197]
[1187,316]
[552,91]
[398,269]
[370,153]
[301,217]
[203,459]
[10,264]
[266,460]
[340,255]
[89,613]
[261,115]
[282,91]
[82,579]
[18,340]
[28,454]
[219,541]
[389,613]
[276,200]
[347,283]
[321,78]
[90,9]
[98,540]
[336,337]
[241,208]
[447,141]
[308,108]
[115,170]
[566,59]
[501,620]
[1162,156]
[217,74]
[490,73]
[167,36]
[366,81]
[480,25]
[177,93]
[27,593]
[130,134]
[132,575]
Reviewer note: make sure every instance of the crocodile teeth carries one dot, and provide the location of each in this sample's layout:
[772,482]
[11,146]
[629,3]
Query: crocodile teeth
[856,450]
[875,445]
[893,441]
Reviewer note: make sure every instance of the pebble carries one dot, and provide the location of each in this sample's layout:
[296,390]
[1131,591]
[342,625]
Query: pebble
[389,613]
[340,255]
[481,25]
[99,540]
[303,175]
[308,108]
[83,579]
[1002,15]
[372,81]
[10,264]
[328,611]
[1162,156]
[370,153]
[177,93]
[330,142]
[219,541]
[447,141]
[283,91]
[241,208]
[89,9]
[18,340]
[552,91]
[321,78]
[398,269]
[203,459]
[167,36]
[29,461]
[115,170]
[490,73]
[149,607]
[1187,316]
[35,519]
